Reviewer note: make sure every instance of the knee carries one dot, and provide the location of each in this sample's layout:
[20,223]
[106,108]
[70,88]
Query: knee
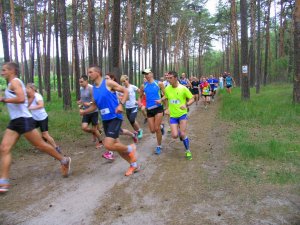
[4,150]
[174,136]
[85,129]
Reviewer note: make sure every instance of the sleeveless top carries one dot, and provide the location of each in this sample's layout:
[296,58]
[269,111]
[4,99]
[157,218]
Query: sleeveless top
[152,92]
[38,114]
[17,110]
[86,95]
[106,101]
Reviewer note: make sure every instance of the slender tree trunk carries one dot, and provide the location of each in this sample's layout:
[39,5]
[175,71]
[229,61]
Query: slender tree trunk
[267,43]
[67,103]
[75,47]
[258,71]
[116,38]
[245,90]
[153,38]
[235,40]
[23,46]
[252,44]
[4,33]
[56,27]
[296,89]
[13,25]
[47,56]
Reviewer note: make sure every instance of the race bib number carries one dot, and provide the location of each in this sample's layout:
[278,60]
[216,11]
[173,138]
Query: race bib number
[174,101]
[104,111]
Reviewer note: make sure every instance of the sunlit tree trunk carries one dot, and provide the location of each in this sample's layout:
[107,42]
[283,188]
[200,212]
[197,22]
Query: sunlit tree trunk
[47,56]
[13,26]
[57,58]
[116,39]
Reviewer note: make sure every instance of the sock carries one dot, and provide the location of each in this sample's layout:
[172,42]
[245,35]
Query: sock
[129,148]
[134,164]
[64,161]
[186,143]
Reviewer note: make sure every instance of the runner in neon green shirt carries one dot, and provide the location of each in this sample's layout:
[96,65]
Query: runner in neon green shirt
[178,99]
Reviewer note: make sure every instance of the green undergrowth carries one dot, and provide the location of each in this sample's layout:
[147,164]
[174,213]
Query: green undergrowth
[265,140]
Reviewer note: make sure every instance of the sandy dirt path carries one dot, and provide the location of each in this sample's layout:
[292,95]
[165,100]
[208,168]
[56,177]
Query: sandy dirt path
[168,190]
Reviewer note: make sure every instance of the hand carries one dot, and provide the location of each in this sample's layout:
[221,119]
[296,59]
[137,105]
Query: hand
[158,101]
[81,112]
[167,112]
[183,107]
[119,109]
[2,99]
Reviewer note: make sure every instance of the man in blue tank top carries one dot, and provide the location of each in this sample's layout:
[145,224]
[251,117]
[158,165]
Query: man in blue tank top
[152,89]
[105,99]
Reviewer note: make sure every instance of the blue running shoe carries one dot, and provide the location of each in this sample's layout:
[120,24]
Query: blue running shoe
[140,134]
[158,150]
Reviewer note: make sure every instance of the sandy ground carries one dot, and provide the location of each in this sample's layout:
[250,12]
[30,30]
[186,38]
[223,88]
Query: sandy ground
[168,190]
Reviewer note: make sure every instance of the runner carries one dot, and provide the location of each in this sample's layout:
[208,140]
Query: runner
[206,92]
[21,123]
[221,81]
[229,81]
[185,81]
[106,100]
[152,89]
[179,98]
[86,97]
[195,89]
[131,105]
[213,82]
[39,114]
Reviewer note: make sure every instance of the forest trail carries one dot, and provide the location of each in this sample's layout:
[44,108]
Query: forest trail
[168,190]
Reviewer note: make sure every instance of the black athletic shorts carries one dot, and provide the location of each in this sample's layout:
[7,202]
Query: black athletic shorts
[90,118]
[131,114]
[22,125]
[42,124]
[112,127]
[153,112]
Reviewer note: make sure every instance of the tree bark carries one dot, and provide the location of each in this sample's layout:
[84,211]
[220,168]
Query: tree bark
[116,39]
[245,90]
[296,89]
[67,103]
[4,33]
[75,47]
[13,26]
[56,29]
[267,43]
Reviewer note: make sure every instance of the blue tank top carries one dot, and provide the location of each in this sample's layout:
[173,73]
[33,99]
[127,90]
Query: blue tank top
[228,80]
[106,101]
[152,91]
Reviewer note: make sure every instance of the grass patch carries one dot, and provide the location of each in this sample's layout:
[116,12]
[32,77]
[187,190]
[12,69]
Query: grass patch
[267,132]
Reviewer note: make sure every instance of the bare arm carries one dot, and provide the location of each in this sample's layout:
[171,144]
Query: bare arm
[20,95]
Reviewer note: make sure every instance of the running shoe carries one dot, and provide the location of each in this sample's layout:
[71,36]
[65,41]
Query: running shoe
[132,154]
[145,120]
[162,128]
[66,167]
[108,155]
[188,155]
[140,134]
[158,150]
[58,149]
[99,144]
[135,137]
[4,185]
[131,170]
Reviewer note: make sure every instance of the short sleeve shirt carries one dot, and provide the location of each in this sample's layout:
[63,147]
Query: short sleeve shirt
[131,102]
[176,98]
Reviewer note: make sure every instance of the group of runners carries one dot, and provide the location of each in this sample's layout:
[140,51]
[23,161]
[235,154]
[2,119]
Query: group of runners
[170,96]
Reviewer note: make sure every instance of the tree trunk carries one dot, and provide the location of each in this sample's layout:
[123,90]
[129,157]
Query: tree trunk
[47,56]
[67,103]
[153,37]
[235,41]
[13,26]
[3,28]
[252,45]
[75,47]
[116,39]
[23,46]
[267,43]
[245,90]
[296,91]
[56,28]
[257,70]
[128,37]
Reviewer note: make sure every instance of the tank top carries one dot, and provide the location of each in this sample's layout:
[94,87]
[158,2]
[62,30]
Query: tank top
[85,95]
[106,101]
[152,91]
[17,110]
[38,114]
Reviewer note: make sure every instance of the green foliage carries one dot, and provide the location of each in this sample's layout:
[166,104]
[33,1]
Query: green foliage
[279,69]
[267,133]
